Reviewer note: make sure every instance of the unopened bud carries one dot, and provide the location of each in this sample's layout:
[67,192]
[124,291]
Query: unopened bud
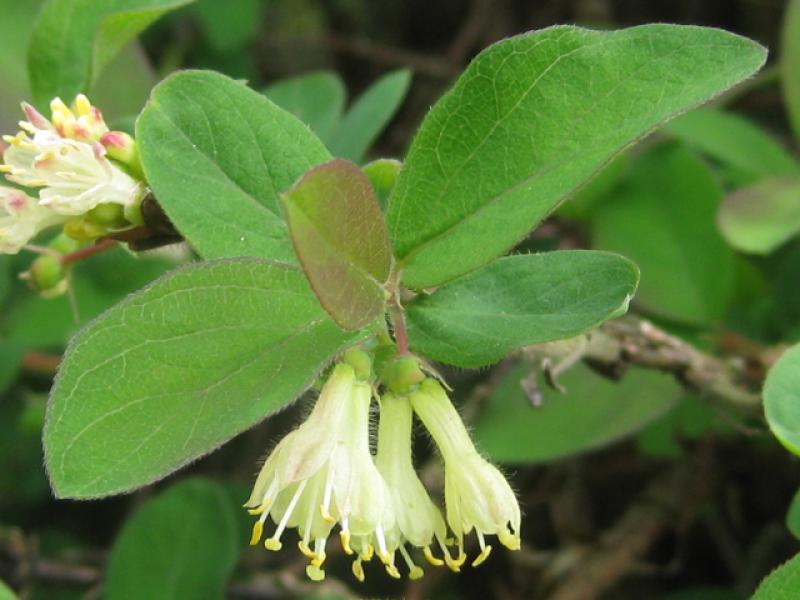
[360,361]
[47,276]
[402,374]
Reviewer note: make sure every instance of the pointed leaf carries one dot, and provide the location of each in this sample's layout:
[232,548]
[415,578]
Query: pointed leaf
[518,301]
[531,119]
[782,583]
[181,545]
[340,237]
[217,155]
[369,115]
[73,40]
[177,369]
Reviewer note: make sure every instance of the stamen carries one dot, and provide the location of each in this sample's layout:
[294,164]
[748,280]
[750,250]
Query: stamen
[456,563]
[274,543]
[319,552]
[383,552]
[303,547]
[485,550]
[414,571]
[436,562]
[326,498]
[344,537]
[358,570]
[367,553]
[258,528]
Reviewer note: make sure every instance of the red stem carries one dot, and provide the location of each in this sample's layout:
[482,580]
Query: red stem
[88,251]
[400,334]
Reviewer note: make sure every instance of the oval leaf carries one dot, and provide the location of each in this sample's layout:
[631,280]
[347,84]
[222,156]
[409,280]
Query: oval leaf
[518,301]
[217,155]
[73,40]
[782,399]
[760,218]
[340,237]
[531,119]
[593,412]
[177,369]
[180,545]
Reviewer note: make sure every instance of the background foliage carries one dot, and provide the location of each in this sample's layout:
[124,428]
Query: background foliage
[634,483]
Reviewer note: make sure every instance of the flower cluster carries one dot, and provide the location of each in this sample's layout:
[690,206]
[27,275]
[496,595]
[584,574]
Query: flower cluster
[79,175]
[323,474]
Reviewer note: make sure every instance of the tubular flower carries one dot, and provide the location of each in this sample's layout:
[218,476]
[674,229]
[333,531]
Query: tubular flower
[418,520]
[21,219]
[477,496]
[323,473]
[66,158]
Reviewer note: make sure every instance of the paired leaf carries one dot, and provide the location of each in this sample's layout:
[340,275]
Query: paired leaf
[531,119]
[317,99]
[518,301]
[177,369]
[180,545]
[782,583]
[73,40]
[762,217]
[369,114]
[340,237]
[217,155]
[734,141]
[595,411]
[782,399]
[664,219]
[790,63]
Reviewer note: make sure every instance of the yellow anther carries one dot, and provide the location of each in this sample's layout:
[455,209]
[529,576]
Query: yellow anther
[57,105]
[385,557]
[309,553]
[344,537]
[367,553]
[436,562]
[487,550]
[314,573]
[258,530]
[325,514]
[358,570]
[392,571]
[82,105]
[319,559]
[260,508]
[273,544]
[455,563]
[415,572]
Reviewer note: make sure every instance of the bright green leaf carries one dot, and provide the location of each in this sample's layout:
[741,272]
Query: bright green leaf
[782,399]
[594,412]
[217,155]
[782,583]
[317,99]
[664,220]
[180,545]
[519,301]
[531,119]
[369,115]
[793,516]
[734,141]
[73,40]
[790,63]
[177,369]
[340,237]
[6,593]
[760,218]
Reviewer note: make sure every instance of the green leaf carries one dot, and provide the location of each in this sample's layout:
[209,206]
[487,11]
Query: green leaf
[15,30]
[382,174]
[531,119]
[340,237]
[217,155]
[179,368]
[230,29]
[734,141]
[369,114]
[519,301]
[793,516]
[762,217]
[317,99]
[664,220]
[782,583]
[594,412]
[6,593]
[782,399]
[73,40]
[790,63]
[180,545]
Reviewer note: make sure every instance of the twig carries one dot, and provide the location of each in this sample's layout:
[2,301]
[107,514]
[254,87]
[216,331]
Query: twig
[78,255]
